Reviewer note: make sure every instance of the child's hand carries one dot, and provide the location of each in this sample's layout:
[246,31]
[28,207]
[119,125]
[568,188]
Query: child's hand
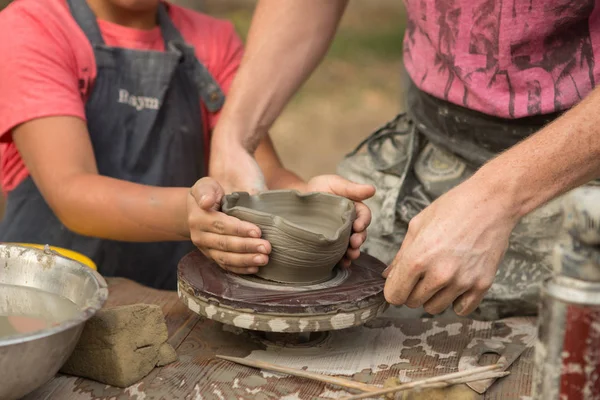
[233,244]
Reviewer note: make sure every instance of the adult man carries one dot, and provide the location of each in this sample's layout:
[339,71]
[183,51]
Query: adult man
[483,75]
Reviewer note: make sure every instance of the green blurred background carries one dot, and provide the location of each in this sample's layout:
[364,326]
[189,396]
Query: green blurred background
[354,91]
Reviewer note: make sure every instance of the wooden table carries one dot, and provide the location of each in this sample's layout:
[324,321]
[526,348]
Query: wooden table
[198,375]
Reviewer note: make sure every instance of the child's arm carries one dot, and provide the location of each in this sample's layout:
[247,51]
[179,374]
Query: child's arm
[58,154]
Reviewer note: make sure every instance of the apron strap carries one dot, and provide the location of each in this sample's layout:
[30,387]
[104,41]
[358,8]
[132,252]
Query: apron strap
[209,90]
[85,17]
[211,94]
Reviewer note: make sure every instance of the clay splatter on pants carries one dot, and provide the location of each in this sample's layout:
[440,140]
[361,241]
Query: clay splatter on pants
[409,174]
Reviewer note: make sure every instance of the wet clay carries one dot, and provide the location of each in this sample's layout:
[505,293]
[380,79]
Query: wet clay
[166,355]
[352,297]
[121,345]
[309,233]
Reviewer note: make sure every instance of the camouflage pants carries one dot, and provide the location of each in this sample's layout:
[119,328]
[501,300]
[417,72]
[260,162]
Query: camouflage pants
[409,172]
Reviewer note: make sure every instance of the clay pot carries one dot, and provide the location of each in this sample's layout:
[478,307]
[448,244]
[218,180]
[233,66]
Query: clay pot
[309,233]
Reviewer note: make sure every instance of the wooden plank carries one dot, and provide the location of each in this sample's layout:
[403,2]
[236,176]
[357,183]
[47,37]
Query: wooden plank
[49,390]
[198,374]
[197,366]
[179,319]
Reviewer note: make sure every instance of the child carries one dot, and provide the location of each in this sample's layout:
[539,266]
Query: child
[106,109]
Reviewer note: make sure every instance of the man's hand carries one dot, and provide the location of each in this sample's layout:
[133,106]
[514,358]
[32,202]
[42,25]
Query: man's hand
[451,251]
[233,244]
[236,169]
[339,186]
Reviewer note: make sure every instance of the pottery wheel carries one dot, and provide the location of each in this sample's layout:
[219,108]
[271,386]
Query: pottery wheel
[350,297]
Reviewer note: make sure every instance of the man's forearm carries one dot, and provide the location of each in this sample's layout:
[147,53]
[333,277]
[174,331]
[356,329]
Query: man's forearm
[108,208]
[286,42]
[560,157]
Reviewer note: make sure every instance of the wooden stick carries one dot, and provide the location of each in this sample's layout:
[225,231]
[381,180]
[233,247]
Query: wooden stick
[439,381]
[477,377]
[480,377]
[474,374]
[346,383]
[439,385]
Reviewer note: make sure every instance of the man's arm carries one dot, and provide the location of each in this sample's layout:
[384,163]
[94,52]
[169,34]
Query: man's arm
[561,157]
[286,42]
[453,248]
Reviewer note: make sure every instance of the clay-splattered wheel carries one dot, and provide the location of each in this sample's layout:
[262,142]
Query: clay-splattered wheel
[351,297]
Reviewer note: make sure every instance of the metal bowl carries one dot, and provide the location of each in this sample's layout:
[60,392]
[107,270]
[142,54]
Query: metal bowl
[28,360]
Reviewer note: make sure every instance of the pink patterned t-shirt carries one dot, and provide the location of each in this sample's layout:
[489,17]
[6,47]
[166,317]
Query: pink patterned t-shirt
[509,58]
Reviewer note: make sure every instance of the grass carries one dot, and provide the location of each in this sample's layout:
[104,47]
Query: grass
[383,44]
[362,37]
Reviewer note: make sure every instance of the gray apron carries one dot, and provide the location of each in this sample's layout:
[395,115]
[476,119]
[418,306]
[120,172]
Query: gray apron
[422,154]
[145,126]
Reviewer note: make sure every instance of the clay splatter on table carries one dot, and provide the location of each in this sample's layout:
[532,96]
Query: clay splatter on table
[425,348]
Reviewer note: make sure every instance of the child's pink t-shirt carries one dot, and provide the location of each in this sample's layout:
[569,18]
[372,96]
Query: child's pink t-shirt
[48,66]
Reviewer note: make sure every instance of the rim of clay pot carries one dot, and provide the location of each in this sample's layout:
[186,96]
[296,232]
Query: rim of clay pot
[229,203]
